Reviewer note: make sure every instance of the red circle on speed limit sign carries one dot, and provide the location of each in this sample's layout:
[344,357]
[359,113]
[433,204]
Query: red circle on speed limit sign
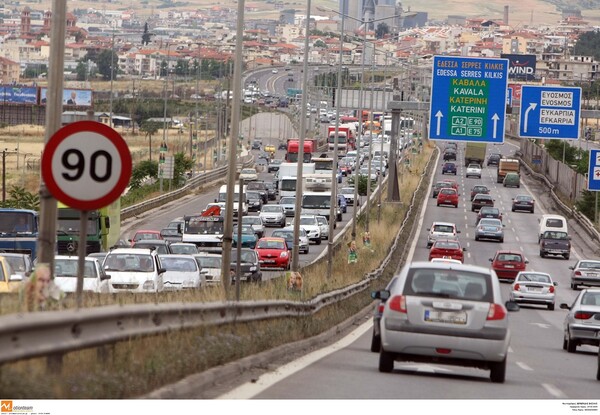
[86,165]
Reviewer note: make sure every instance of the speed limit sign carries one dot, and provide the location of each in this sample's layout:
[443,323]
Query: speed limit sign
[86,165]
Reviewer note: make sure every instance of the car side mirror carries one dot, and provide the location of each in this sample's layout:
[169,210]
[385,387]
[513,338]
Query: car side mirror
[457,231]
[571,268]
[527,261]
[555,283]
[105,277]
[161,271]
[490,259]
[564,306]
[382,295]
[464,249]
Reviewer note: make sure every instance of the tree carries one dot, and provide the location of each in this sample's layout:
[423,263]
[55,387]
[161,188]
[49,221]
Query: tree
[104,61]
[142,171]
[588,44]
[320,44]
[150,128]
[19,198]
[382,30]
[146,36]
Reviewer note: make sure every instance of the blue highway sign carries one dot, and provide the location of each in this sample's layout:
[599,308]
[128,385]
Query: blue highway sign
[594,170]
[550,112]
[468,99]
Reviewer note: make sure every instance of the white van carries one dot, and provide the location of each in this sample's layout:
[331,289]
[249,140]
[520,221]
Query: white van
[236,198]
[552,223]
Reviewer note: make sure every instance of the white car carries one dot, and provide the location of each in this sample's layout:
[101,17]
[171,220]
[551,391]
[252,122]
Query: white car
[273,215]
[210,267]
[443,230]
[288,234]
[183,248]
[348,193]
[474,170]
[257,224]
[324,226]
[181,272]
[249,175]
[136,270]
[65,274]
[310,224]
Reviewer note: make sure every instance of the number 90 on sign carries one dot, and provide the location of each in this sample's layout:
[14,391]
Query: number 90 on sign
[86,165]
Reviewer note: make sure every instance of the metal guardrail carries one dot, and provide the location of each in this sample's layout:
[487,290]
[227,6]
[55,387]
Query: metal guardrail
[191,184]
[54,333]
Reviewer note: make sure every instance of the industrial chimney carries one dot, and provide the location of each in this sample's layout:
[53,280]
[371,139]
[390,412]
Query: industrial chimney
[506,15]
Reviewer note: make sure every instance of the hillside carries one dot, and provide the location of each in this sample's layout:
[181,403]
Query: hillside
[521,12]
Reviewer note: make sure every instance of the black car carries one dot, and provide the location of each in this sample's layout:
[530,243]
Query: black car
[254,201]
[274,165]
[488,212]
[256,144]
[161,246]
[249,266]
[449,168]
[271,191]
[479,189]
[494,159]
[523,202]
[282,146]
[481,200]
[449,155]
[261,188]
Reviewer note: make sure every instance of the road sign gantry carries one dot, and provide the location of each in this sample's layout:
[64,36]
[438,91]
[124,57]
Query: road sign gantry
[468,99]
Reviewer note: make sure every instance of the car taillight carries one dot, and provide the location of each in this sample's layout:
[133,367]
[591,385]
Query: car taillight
[517,287]
[583,315]
[380,308]
[578,273]
[551,289]
[398,303]
[497,312]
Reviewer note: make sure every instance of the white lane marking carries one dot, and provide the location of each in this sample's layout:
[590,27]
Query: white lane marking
[251,389]
[554,391]
[541,325]
[523,366]
[517,238]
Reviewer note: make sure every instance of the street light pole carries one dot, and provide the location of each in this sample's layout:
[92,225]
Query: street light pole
[333,200]
[300,167]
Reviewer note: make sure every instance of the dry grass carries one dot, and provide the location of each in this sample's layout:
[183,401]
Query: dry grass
[131,369]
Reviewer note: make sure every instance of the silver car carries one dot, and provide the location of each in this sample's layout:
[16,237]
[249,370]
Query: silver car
[532,287]
[585,272]
[289,205]
[256,223]
[582,323]
[489,228]
[447,314]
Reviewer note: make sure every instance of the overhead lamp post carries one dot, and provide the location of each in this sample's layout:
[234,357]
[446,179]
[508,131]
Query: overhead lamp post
[300,163]
[365,24]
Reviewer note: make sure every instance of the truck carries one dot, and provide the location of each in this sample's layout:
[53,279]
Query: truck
[475,153]
[288,181]
[293,146]
[19,229]
[506,166]
[102,233]
[316,194]
[205,230]
[346,139]
[323,164]
[236,198]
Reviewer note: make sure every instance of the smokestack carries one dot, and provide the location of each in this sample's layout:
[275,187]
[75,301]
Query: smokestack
[506,15]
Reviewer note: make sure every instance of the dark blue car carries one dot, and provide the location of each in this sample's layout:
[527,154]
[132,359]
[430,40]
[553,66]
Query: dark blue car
[449,168]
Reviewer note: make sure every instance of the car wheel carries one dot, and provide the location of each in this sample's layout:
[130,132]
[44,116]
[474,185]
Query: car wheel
[438,204]
[573,286]
[306,250]
[567,256]
[386,361]
[571,345]
[319,241]
[550,307]
[513,210]
[375,343]
[498,371]
[476,238]
[564,343]
[282,225]
[472,209]
[531,210]
[501,240]
[542,255]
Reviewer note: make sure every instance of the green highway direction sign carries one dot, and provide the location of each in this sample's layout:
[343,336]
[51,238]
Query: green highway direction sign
[468,99]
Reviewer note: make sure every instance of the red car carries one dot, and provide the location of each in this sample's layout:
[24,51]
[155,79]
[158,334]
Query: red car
[448,196]
[145,234]
[447,248]
[508,264]
[273,253]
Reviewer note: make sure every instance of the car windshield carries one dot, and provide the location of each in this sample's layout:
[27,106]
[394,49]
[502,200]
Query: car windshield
[589,265]
[248,171]
[555,235]
[252,196]
[523,198]
[208,262]
[449,283]
[308,221]
[247,230]
[283,234]
[489,211]
[178,264]
[251,220]
[271,244]
[509,258]
[447,245]
[447,192]
[443,228]
[272,208]
[347,191]
[68,268]
[184,249]
[287,201]
[480,189]
[129,263]
[591,298]
[533,277]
